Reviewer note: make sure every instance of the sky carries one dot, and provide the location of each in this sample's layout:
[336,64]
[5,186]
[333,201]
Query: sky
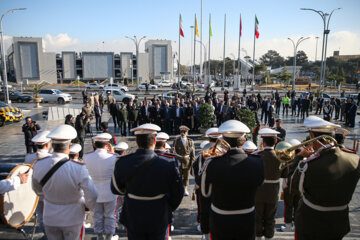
[94,25]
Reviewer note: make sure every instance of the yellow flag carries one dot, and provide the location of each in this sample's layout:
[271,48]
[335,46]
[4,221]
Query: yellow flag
[196,27]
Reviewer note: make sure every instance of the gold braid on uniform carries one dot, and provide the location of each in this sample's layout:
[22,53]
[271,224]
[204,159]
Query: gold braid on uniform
[203,179]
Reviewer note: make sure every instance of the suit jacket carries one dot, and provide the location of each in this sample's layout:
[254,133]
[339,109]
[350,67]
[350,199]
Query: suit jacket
[186,153]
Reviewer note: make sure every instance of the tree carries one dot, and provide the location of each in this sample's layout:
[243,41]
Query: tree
[301,59]
[272,59]
[258,69]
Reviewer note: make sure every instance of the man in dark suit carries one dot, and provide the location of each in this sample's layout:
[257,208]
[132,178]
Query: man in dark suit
[168,123]
[177,116]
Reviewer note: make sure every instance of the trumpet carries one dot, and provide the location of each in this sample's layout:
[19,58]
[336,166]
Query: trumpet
[218,149]
[286,153]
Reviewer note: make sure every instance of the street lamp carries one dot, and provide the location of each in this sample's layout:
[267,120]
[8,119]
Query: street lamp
[295,51]
[324,44]
[6,92]
[204,52]
[191,56]
[137,43]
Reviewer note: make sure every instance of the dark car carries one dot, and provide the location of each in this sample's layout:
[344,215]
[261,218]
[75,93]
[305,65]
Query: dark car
[16,96]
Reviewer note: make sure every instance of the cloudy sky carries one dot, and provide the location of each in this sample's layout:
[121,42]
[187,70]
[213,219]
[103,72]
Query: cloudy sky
[93,25]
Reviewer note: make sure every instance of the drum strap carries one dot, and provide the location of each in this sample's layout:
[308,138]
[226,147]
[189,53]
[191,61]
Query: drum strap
[52,171]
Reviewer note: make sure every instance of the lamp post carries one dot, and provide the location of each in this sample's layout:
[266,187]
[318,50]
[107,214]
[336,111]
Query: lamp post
[294,62]
[137,43]
[317,39]
[231,54]
[6,92]
[204,52]
[192,69]
[324,44]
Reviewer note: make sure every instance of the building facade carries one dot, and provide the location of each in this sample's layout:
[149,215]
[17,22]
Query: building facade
[160,57]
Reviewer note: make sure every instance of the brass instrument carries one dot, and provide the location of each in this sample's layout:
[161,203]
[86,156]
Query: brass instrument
[286,153]
[218,149]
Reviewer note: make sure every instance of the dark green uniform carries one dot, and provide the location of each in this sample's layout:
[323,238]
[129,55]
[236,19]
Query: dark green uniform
[330,181]
[123,118]
[267,195]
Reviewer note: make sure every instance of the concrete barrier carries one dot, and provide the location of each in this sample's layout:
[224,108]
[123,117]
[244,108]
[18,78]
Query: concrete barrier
[59,113]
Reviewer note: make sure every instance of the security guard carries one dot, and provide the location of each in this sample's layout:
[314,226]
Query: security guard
[328,180]
[152,187]
[74,152]
[121,148]
[100,164]
[184,148]
[249,147]
[229,182]
[43,144]
[66,185]
[267,194]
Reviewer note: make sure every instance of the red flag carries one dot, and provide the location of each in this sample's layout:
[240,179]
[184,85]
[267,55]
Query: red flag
[181,27]
[256,27]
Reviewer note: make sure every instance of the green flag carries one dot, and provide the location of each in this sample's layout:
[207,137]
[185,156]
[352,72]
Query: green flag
[211,34]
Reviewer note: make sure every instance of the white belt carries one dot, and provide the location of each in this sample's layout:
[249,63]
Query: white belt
[323,209]
[104,180]
[232,212]
[271,181]
[145,198]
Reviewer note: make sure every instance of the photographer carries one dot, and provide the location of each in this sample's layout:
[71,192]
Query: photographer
[80,126]
[30,129]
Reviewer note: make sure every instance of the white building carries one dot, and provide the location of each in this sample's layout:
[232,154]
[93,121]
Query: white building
[160,57]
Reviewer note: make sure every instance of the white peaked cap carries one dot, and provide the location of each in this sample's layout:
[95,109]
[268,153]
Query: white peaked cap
[233,129]
[294,142]
[41,138]
[167,146]
[121,146]
[162,137]
[213,133]
[62,134]
[102,137]
[75,148]
[183,127]
[147,128]
[341,131]
[317,124]
[268,132]
[203,144]
[249,145]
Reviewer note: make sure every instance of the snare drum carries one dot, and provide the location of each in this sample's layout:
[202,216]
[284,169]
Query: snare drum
[17,206]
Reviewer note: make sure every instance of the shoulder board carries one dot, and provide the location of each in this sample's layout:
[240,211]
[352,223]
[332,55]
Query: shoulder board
[78,162]
[348,150]
[165,155]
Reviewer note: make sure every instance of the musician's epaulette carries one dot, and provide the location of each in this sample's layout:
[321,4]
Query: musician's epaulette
[348,150]
[312,157]
[78,162]
[168,155]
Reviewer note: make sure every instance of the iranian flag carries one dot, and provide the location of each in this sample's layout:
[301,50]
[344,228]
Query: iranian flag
[181,27]
[257,34]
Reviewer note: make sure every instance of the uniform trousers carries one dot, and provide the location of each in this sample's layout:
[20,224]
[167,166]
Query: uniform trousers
[105,217]
[39,213]
[291,200]
[147,236]
[63,233]
[185,175]
[265,219]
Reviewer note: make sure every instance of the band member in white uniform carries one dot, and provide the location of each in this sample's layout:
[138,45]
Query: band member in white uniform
[100,164]
[67,192]
[12,183]
[74,152]
[43,145]
[121,148]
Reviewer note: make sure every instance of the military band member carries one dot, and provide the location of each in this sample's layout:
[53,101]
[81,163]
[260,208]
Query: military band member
[121,148]
[328,180]
[74,152]
[267,194]
[249,147]
[152,187]
[184,148]
[229,182]
[100,164]
[340,134]
[67,191]
[10,184]
[43,145]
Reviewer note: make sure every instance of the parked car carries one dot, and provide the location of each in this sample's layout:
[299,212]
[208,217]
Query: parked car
[171,94]
[9,114]
[116,86]
[164,83]
[94,86]
[119,95]
[16,96]
[143,86]
[54,95]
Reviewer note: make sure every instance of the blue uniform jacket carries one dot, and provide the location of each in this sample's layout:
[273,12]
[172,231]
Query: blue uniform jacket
[161,177]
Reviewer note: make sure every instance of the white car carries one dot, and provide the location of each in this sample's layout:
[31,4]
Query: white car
[119,95]
[143,86]
[116,86]
[164,83]
[94,86]
[54,95]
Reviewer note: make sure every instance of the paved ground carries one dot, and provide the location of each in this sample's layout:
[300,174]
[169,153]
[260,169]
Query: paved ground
[12,150]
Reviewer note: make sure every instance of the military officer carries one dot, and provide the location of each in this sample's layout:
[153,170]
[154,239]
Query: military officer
[66,185]
[100,165]
[328,180]
[152,187]
[267,195]
[229,183]
[74,152]
[121,148]
[249,147]
[184,148]
[43,145]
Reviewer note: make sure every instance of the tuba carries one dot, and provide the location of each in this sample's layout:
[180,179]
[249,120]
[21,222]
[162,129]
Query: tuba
[286,153]
[218,149]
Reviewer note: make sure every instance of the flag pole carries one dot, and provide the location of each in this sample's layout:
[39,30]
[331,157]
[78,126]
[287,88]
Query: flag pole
[201,67]
[237,79]
[253,73]
[208,83]
[179,54]
[222,87]
[195,25]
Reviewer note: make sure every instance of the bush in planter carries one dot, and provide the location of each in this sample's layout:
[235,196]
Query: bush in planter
[247,117]
[206,115]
